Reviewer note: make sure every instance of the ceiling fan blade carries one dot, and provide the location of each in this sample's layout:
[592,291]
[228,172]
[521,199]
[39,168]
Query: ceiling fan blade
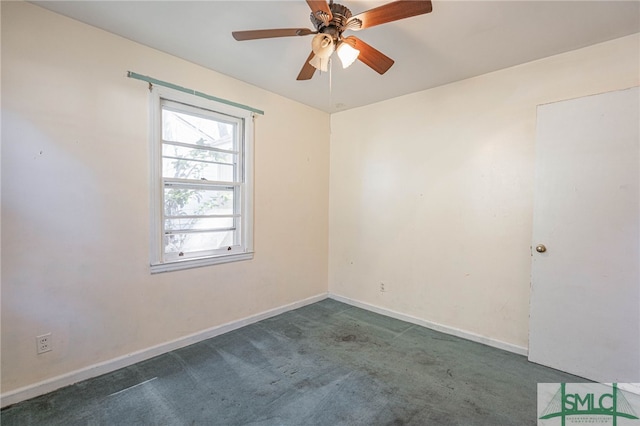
[371,56]
[392,12]
[307,69]
[320,5]
[280,32]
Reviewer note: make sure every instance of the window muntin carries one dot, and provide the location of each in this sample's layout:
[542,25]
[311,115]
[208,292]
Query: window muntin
[203,192]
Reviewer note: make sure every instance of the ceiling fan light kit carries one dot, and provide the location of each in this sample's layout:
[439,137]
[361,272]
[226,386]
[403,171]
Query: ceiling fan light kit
[330,21]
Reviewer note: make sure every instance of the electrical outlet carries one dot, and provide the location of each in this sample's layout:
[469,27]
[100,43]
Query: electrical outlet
[43,343]
[382,288]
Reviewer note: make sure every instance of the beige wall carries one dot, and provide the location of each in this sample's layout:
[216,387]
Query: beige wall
[431,193]
[75,202]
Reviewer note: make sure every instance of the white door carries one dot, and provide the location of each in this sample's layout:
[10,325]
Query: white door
[585,288]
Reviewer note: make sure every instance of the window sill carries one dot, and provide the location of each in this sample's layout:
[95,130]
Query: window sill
[157,268]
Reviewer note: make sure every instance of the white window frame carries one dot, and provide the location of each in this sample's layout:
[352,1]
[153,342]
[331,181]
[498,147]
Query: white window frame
[243,246]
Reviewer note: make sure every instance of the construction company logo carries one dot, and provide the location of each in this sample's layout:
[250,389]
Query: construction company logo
[590,404]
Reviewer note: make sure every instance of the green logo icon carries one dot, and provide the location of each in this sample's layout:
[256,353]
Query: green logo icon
[589,401]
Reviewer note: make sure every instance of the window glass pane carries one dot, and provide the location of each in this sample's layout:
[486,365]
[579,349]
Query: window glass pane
[198,223]
[197,130]
[202,152]
[180,201]
[188,163]
[187,243]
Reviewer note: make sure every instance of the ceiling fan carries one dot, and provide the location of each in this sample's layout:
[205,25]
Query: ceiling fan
[330,21]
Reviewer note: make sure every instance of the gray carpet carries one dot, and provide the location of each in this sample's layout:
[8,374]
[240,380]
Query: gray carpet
[324,364]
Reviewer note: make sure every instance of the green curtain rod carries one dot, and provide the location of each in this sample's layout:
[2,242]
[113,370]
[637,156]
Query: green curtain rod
[152,80]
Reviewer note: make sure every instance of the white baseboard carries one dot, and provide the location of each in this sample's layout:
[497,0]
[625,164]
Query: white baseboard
[49,385]
[520,350]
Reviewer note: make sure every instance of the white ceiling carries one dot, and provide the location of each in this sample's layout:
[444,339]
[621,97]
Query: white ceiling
[458,40]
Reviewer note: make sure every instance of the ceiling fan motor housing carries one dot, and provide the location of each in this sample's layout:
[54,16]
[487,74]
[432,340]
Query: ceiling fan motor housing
[339,22]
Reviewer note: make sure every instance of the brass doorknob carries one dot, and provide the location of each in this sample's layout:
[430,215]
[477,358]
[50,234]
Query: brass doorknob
[540,248]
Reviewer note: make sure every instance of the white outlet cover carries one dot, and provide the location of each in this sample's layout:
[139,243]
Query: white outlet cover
[43,343]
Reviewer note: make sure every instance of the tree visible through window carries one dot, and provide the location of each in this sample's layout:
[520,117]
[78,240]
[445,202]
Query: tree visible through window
[204,193]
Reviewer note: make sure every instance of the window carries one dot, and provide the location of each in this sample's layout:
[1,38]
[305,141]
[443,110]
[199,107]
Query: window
[201,175]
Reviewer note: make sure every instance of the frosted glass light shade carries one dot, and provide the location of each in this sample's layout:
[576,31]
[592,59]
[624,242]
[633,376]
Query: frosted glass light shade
[347,54]
[322,46]
[320,63]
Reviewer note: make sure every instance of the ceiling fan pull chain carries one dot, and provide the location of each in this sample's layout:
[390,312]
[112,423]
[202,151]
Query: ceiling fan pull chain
[330,83]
